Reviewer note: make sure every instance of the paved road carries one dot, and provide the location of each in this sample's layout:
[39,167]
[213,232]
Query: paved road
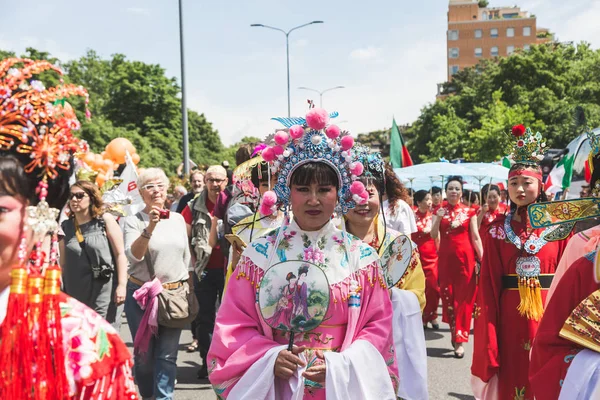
[449,378]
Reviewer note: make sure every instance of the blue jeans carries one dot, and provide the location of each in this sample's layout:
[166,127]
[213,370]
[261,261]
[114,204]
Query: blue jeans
[156,370]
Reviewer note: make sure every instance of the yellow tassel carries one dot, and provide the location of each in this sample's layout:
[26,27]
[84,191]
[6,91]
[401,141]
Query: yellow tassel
[531,305]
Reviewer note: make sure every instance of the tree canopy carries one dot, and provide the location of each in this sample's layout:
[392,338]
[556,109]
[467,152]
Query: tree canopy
[540,88]
[137,101]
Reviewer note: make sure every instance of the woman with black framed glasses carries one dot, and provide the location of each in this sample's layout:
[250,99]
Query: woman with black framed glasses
[93,255]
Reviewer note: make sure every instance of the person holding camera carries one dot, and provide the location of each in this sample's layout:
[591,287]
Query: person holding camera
[157,248]
[94,266]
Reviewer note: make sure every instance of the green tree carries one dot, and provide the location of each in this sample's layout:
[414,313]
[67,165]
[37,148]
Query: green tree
[541,88]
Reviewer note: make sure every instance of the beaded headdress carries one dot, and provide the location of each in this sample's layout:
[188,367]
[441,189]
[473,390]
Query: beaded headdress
[528,147]
[311,139]
[373,163]
[36,125]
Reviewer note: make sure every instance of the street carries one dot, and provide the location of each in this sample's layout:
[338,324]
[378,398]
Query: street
[448,377]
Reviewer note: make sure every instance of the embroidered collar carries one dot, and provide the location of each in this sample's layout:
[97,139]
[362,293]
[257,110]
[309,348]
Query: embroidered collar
[534,244]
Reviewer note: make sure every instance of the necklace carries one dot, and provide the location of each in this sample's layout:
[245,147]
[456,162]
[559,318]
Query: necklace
[529,266]
[533,244]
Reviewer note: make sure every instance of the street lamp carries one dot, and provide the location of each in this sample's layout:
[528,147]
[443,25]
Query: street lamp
[184,116]
[287,50]
[321,93]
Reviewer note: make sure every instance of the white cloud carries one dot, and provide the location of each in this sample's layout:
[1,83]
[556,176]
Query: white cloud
[366,54]
[138,11]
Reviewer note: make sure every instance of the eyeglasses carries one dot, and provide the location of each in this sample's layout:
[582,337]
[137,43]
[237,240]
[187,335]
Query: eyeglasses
[214,180]
[78,195]
[152,187]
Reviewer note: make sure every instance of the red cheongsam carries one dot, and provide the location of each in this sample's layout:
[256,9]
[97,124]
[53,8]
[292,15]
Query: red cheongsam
[456,266]
[429,262]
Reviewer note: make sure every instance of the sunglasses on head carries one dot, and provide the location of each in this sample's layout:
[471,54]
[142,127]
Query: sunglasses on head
[78,195]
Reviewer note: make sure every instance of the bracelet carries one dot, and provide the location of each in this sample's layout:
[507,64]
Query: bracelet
[146,234]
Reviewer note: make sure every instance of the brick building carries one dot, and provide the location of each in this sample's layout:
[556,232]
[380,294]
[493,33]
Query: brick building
[476,32]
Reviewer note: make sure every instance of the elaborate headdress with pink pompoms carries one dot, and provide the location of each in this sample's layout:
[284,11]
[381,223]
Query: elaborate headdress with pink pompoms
[313,139]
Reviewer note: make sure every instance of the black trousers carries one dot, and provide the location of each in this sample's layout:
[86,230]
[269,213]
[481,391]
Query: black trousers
[210,288]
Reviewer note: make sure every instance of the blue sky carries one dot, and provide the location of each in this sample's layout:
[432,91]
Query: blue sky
[388,54]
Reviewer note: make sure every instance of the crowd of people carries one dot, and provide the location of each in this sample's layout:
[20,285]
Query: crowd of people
[284,268]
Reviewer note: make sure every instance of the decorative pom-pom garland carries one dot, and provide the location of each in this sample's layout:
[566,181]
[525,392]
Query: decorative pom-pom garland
[268,204]
[307,140]
[518,130]
[332,131]
[347,142]
[281,138]
[317,119]
[296,131]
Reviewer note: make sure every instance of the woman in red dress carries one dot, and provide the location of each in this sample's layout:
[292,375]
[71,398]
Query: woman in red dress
[456,226]
[516,271]
[491,209]
[429,258]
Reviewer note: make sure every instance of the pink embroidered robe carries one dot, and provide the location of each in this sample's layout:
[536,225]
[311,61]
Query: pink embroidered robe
[241,337]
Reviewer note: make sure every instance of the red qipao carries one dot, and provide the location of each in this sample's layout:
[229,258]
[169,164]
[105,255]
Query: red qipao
[551,355]
[503,337]
[429,261]
[456,270]
[489,217]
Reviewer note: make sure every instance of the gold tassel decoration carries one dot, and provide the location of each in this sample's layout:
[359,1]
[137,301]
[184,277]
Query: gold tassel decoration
[530,292]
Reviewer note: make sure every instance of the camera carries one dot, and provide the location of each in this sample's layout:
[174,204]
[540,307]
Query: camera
[102,271]
[164,214]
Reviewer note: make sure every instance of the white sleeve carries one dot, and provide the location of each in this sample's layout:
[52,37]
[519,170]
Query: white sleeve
[406,218]
[359,372]
[259,381]
[132,229]
[583,377]
[409,341]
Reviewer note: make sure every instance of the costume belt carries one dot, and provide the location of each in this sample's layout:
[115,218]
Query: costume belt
[168,286]
[511,281]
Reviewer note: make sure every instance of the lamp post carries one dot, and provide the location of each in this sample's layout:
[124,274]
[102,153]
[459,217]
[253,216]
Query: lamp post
[321,93]
[287,50]
[184,116]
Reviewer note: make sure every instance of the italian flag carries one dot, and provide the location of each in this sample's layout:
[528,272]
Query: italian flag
[560,177]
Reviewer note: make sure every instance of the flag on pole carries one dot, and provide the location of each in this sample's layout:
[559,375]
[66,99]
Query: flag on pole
[129,187]
[399,155]
[560,177]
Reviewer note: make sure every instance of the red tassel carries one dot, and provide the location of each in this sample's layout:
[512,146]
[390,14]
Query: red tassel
[16,347]
[50,336]
[35,292]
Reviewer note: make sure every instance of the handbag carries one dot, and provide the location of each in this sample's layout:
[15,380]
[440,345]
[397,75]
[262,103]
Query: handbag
[176,307]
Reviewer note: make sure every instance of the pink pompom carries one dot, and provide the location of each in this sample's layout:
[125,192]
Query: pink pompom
[357,187]
[281,138]
[268,155]
[347,142]
[269,199]
[278,150]
[317,118]
[332,131]
[264,210]
[358,169]
[296,131]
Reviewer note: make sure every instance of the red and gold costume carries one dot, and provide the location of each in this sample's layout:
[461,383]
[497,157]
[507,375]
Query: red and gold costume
[551,354]
[52,347]
[456,266]
[429,261]
[503,336]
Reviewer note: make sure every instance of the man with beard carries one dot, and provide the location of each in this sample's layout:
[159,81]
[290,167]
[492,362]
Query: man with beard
[210,261]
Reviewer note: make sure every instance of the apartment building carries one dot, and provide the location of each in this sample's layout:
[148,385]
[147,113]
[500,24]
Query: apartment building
[476,32]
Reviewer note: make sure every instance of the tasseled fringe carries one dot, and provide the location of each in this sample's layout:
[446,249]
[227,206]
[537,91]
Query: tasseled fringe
[52,341]
[118,386]
[16,347]
[530,292]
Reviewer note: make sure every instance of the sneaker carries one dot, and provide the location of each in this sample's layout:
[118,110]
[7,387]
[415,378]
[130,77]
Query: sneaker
[203,372]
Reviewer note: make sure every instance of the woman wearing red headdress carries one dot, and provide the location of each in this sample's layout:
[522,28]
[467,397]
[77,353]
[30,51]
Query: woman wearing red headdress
[517,268]
[52,347]
[456,226]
